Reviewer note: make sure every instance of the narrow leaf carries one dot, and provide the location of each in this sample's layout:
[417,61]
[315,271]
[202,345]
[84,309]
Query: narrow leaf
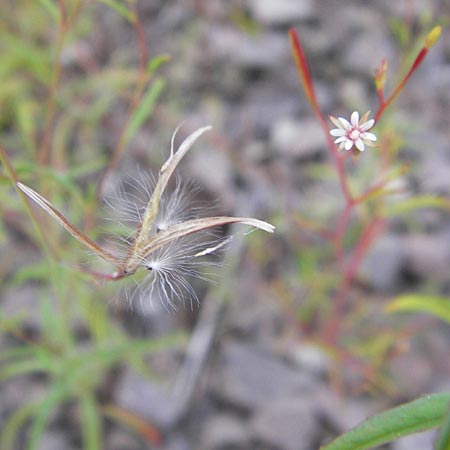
[303,69]
[419,415]
[51,8]
[72,229]
[145,108]
[437,306]
[91,423]
[156,62]
[24,367]
[13,425]
[411,204]
[443,442]
[43,412]
[119,8]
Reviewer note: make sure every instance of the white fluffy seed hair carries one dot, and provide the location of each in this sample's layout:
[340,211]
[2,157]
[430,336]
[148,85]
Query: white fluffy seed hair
[129,201]
[169,270]
[168,238]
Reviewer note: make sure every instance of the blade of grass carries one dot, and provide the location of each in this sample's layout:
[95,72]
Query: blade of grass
[119,8]
[91,427]
[156,62]
[418,415]
[51,8]
[145,108]
[17,368]
[15,424]
[443,442]
[44,410]
[411,204]
[437,306]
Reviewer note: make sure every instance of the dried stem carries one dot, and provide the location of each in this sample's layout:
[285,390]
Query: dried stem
[147,240]
[65,20]
[13,178]
[142,80]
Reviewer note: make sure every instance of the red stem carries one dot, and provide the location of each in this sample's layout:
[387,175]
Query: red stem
[332,328]
[308,86]
[139,88]
[386,103]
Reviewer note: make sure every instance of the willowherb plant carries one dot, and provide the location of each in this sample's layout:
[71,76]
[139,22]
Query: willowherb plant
[167,240]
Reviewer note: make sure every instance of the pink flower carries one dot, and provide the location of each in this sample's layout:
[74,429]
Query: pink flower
[353,133]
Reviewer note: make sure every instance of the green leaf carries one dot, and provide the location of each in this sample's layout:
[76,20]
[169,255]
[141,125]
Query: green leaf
[17,368]
[37,271]
[111,352]
[17,353]
[15,424]
[419,415]
[56,395]
[411,204]
[145,108]
[51,8]
[156,62]
[443,442]
[90,423]
[437,306]
[26,120]
[121,9]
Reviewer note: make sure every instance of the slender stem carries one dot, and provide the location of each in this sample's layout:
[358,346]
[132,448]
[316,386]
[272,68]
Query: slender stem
[45,146]
[332,328]
[308,86]
[338,237]
[42,236]
[134,103]
[338,160]
[384,104]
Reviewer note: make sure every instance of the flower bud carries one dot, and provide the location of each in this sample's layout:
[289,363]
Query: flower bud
[380,75]
[433,37]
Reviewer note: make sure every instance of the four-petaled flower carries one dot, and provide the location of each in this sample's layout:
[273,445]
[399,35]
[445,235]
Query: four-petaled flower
[353,133]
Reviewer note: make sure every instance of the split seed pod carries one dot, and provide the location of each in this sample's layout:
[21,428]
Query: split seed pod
[147,245]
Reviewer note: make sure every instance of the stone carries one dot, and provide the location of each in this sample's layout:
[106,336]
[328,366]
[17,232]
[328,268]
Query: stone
[296,138]
[383,265]
[223,432]
[139,395]
[54,440]
[353,93]
[435,169]
[428,255]
[311,358]
[364,52]
[262,108]
[118,439]
[263,51]
[281,12]
[251,377]
[290,424]
[211,168]
[417,441]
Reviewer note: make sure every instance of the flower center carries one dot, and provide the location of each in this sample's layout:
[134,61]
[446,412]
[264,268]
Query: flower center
[354,134]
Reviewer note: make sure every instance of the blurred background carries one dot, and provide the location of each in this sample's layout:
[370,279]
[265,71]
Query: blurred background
[90,94]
